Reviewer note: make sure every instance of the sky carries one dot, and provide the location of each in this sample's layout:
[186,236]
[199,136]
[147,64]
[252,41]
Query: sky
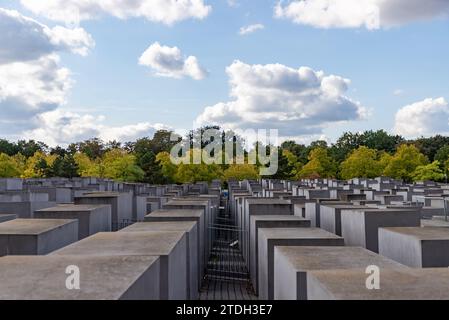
[313,69]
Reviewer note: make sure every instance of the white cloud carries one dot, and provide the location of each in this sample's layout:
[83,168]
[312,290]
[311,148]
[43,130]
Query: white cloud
[370,14]
[60,127]
[164,11]
[233,3]
[398,92]
[25,39]
[424,118]
[251,28]
[297,102]
[169,62]
[32,81]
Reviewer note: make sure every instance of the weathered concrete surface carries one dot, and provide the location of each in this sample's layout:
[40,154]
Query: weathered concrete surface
[192,252]
[435,222]
[330,216]
[293,263]
[360,227]
[397,284]
[91,218]
[268,221]
[7,217]
[196,215]
[24,209]
[121,204]
[169,245]
[416,247]
[269,238]
[36,236]
[101,278]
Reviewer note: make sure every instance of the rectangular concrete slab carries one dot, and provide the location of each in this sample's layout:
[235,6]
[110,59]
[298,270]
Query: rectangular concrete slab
[271,237]
[416,247]
[330,216]
[36,236]
[360,227]
[91,218]
[196,215]
[268,221]
[395,284]
[7,217]
[169,245]
[193,247]
[293,263]
[101,278]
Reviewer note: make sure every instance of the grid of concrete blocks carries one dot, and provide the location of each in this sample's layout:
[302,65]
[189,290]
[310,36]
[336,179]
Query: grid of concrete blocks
[300,240]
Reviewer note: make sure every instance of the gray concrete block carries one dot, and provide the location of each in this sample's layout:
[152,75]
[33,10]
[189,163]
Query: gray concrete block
[330,216]
[192,252]
[121,205]
[36,236]
[196,215]
[269,238]
[360,227]
[7,217]
[24,209]
[91,218]
[293,263]
[169,245]
[268,221]
[395,284]
[416,247]
[101,278]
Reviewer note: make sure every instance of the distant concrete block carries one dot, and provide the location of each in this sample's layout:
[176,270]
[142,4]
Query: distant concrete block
[192,252]
[121,205]
[196,215]
[330,216]
[91,218]
[293,263]
[24,209]
[360,227]
[269,238]
[10,184]
[169,245]
[36,236]
[416,247]
[101,278]
[7,217]
[396,284]
[268,221]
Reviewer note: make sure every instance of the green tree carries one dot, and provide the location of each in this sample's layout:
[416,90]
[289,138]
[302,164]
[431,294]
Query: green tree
[241,172]
[363,163]
[431,172]
[430,146]
[404,163]
[8,167]
[320,165]
[120,165]
[151,167]
[169,169]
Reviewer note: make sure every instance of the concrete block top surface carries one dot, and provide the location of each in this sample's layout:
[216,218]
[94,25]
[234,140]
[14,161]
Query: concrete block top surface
[32,226]
[323,258]
[434,223]
[102,278]
[100,195]
[426,233]
[125,243]
[396,284]
[177,213]
[263,201]
[277,218]
[343,206]
[297,233]
[73,208]
[199,202]
[160,226]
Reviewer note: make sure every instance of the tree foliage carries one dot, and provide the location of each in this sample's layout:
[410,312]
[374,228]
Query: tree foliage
[363,163]
[404,163]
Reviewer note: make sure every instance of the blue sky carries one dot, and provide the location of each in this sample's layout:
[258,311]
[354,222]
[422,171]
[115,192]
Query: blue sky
[393,70]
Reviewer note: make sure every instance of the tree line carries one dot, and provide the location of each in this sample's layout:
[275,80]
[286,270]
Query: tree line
[367,155]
